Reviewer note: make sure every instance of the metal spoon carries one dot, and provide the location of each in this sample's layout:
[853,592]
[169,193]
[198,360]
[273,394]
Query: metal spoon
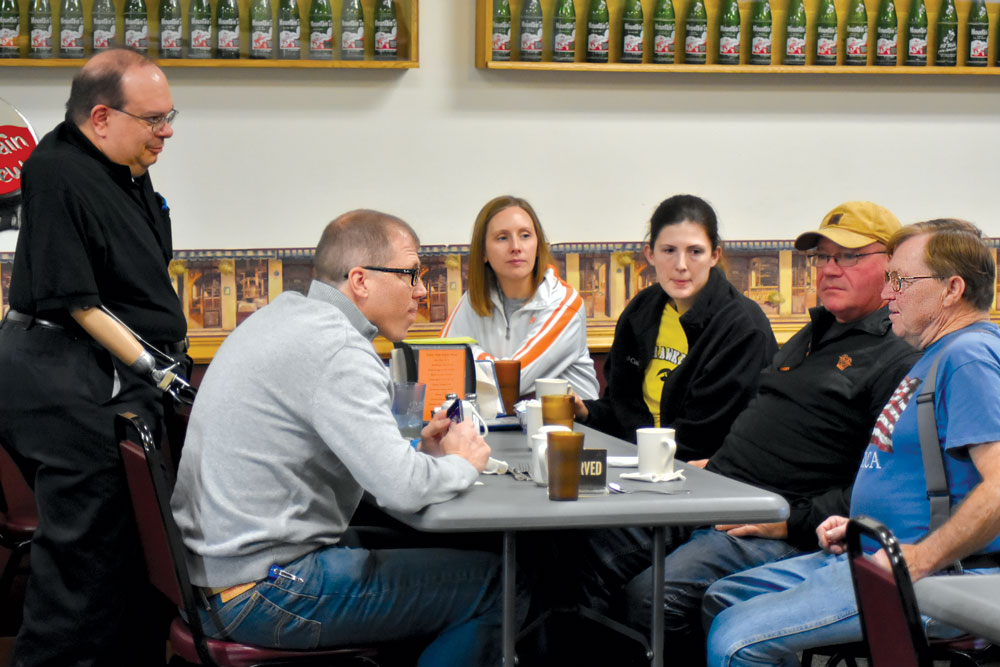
[615,487]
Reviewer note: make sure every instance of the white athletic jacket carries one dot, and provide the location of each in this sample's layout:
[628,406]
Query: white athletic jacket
[548,335]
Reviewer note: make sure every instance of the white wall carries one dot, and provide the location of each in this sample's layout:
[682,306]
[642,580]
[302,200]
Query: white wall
[263,158]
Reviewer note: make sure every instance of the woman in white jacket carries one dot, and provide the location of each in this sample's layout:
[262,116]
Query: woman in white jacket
[516,306]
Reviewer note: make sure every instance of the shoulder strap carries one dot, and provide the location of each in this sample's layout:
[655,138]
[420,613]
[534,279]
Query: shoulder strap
[930,448]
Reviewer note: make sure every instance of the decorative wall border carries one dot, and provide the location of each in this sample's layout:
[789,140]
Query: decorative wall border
[221,287]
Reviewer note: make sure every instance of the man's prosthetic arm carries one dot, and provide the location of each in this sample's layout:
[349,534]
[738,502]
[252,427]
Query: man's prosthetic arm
[116,337]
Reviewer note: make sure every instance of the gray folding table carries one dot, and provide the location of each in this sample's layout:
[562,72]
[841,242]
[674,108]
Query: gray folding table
[969,602]
[503,504]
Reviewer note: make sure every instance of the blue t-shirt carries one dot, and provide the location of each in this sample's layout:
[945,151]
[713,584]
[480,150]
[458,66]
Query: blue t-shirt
[890,485]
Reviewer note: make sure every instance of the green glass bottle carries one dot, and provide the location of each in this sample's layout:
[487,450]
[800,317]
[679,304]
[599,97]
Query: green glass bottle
[136,25]
[916,35]
[826,33]
[352,30]
[795,34]
[501,30]
[729,32]
[664,32]
[227,29]
[10,29]
[760,33]
[71,29]
[103,26]
[564,32]
[696,33]
[200,29]
[598,32]
[40,25]
[947,35]
[633,35]
[531,30]
[289,30]
[979,34]
[856,46]
[170,29]
[886,34]
[386,31]
[261,30]
[320,30]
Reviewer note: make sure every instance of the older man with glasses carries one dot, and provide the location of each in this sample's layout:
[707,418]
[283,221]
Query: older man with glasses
[940,287]
[91,255]
[802,436]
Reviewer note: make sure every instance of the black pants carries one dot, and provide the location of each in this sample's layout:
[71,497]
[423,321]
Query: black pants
[88,601]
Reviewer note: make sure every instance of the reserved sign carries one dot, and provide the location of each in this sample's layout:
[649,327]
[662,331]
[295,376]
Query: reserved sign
[594,471]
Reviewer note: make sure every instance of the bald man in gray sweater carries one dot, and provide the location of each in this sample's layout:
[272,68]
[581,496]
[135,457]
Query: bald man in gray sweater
[291,426]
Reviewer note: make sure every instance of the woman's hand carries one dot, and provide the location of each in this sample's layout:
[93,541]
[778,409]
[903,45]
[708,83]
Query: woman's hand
[580,411]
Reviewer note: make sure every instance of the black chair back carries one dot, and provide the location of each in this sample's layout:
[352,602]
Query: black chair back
[887,605]
[151,482]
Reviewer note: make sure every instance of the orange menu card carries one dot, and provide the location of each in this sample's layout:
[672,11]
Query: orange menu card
[443,371]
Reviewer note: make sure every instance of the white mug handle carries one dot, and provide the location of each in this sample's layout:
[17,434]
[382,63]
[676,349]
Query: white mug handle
[671,445]
[478,420]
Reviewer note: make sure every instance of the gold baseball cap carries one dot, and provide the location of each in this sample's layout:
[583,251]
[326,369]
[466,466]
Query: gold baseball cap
[854,224]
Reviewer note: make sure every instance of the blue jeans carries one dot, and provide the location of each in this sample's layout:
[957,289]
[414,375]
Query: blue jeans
[360,596]
[766,615]
[692,566]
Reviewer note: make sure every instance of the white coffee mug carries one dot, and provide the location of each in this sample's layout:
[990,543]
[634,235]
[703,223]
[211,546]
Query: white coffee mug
[532,418]
[656,450]
[546,386]
[539,465]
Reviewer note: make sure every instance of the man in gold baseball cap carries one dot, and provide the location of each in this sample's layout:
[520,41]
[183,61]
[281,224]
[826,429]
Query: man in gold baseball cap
[848,251]
[852,225]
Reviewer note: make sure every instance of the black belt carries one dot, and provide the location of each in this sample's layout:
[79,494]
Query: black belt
[26,320]
[981,561]
[31,320]
[180,347]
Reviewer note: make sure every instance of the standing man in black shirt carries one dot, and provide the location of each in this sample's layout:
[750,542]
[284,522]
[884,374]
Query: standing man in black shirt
[93,250]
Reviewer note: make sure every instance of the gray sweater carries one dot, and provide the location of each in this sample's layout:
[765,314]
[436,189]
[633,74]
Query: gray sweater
[292,423]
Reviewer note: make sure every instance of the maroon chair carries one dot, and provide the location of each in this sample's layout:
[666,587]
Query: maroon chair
[150,481]
[890,618]
[18,519]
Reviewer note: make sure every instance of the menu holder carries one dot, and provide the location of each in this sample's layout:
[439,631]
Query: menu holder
[445,365]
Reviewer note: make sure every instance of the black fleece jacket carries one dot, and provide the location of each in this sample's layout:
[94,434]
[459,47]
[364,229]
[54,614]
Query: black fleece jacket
[729,342]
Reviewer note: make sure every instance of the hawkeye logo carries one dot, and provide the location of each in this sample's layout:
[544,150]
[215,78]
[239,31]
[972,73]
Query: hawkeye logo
[669,355]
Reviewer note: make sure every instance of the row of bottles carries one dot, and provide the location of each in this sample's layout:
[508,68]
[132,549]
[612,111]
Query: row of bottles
[209,35]
[890,37]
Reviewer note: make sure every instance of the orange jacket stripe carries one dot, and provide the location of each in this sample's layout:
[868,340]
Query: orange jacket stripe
[551,329]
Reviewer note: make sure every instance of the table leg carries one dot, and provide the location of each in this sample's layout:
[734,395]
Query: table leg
[509,602]
[659,554]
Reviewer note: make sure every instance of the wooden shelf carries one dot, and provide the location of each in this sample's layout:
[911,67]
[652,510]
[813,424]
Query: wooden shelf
[242,63]
[735,69]
[484,40]
[406,15]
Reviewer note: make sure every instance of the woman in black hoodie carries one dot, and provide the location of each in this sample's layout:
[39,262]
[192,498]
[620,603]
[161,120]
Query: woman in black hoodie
[687,351]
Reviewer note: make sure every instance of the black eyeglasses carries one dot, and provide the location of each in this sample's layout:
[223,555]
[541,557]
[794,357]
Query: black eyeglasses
[156,123]
[843,260]
[414,273]
[896,281]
